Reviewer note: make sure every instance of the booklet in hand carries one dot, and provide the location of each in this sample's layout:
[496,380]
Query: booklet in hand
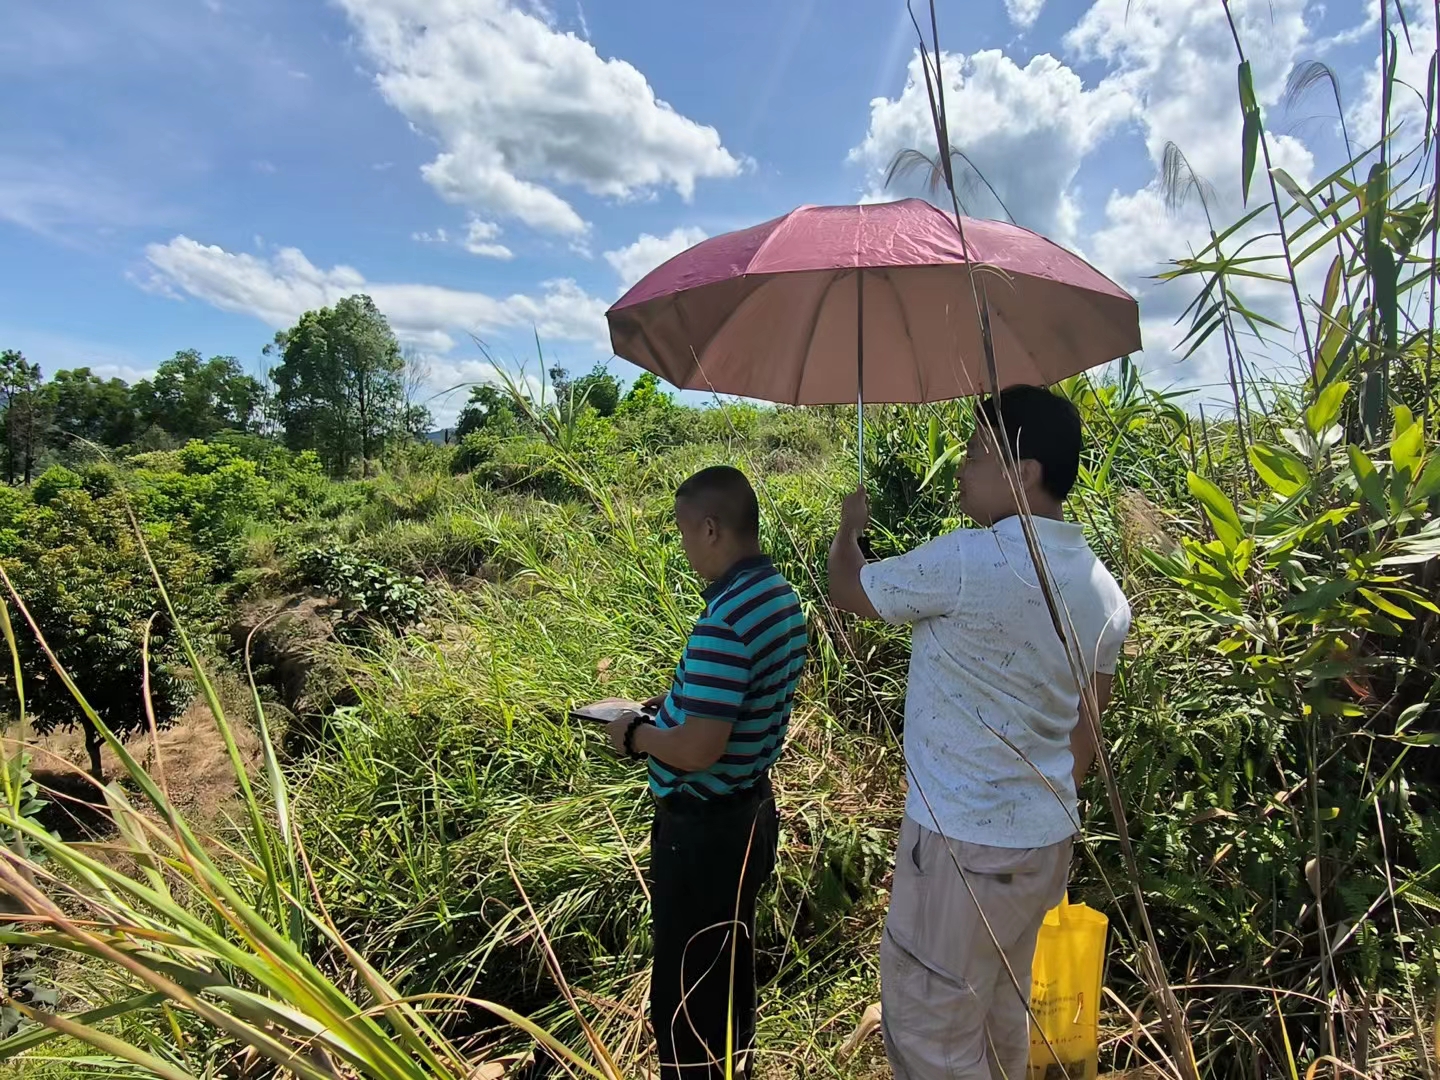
[603,712]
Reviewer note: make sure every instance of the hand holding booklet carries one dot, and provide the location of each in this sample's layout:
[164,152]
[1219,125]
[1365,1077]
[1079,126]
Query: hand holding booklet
[603,712]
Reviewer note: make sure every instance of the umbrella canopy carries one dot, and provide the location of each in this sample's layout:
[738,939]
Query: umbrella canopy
[833,304]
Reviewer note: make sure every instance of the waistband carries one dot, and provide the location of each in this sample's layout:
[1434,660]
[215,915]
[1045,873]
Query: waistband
[742,799]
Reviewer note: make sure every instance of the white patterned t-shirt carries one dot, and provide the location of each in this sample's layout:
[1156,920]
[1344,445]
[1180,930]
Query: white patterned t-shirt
[991,700]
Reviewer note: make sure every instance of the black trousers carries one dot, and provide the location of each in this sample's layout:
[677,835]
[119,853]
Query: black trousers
[708,862]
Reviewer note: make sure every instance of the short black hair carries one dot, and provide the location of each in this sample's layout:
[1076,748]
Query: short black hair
[724,493]
[1042,426]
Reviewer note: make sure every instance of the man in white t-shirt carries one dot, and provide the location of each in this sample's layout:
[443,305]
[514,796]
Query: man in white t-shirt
[995,747]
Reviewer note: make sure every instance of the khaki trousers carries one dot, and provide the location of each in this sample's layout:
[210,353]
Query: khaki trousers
[950,1009]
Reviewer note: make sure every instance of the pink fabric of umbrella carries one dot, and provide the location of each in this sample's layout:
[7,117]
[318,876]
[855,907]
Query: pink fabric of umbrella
[837,304]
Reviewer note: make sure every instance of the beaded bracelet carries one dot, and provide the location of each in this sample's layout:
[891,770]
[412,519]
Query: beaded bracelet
[635,723]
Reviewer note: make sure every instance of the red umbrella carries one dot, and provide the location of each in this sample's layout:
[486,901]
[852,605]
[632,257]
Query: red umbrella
[789,311]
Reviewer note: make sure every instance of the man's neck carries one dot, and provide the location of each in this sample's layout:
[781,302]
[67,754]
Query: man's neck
[1040,508]
[743,555]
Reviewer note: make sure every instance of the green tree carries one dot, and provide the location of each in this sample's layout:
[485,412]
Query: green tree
[646,395]
[339,386]
[491,410]
[78,564]
[193,398]
[82,406]
[22,414]
[599,390]
[647,415]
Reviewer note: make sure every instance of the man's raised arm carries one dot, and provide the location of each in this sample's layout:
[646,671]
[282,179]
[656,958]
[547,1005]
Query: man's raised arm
[847,560]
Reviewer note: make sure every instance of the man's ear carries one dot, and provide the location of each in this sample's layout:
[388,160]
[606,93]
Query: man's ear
[1032,473]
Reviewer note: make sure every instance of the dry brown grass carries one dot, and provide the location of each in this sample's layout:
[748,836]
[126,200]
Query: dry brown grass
[190,754]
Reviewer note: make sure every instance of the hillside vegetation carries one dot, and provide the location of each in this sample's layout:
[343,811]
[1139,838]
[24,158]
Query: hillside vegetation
[432,872]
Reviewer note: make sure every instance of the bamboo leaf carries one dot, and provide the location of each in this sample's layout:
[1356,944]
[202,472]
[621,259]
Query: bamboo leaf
[1381,604]
[1215,324]
[1203,319]
[940,463]
[1332,285]
[1424,738]
[1295,191]
[1329,363]
[1430,101]
[1282,470]
[1367,478]
[1250,136]
[1428,486]
[1340,227]
[1385,272]
[1414,598]
[1410,715]
[1219,509]
[1315,598]
[1375,193]
[1232,229]
[1407,450]
[1253,319]
[1325,409]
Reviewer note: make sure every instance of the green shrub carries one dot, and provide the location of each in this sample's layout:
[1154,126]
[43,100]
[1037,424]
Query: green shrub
[15,503]
[474,450]
[370,591]
[212,492]
[79,567]
[52,482]
[298,483]
[101,478]
[648,419]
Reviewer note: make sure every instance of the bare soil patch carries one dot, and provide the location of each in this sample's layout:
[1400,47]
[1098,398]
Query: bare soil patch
[189,755]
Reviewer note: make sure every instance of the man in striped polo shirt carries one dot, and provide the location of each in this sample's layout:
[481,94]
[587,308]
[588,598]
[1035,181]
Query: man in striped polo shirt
[714,737]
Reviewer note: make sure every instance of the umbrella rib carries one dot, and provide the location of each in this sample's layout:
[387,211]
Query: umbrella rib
[650,345]
[909,334]
[810,336]
[696,367]
[784,226]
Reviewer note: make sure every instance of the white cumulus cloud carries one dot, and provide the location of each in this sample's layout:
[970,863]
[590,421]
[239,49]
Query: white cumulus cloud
[480,240]
[1177,59]
[1166,71]
[1412,72]
[1025,129]
[520,108]
[280,288]
[1023,13]
[634,261]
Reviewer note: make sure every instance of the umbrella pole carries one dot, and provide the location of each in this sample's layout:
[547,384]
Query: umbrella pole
[860,371]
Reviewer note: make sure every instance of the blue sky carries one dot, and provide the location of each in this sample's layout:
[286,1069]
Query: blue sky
[196,173]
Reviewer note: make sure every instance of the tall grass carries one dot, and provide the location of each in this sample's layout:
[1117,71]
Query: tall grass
[449,783]
[454,876]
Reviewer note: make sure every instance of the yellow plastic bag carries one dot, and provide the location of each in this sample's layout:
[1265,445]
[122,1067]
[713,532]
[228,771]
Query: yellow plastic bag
[1065,994]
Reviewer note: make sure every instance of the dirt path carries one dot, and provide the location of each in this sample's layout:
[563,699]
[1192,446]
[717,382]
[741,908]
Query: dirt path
[192,757]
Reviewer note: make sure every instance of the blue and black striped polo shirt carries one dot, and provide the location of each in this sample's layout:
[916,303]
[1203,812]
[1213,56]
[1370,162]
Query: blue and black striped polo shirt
[741,665]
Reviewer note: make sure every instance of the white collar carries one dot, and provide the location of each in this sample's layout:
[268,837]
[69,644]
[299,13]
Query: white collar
[1047,530]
